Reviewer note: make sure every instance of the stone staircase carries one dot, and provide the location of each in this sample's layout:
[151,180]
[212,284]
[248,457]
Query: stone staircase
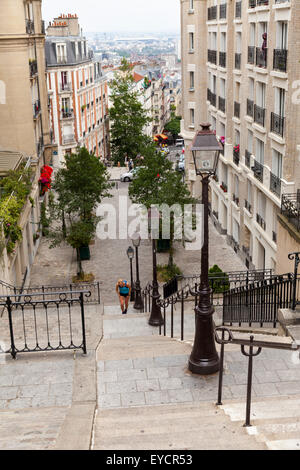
[275,422]
[147,397]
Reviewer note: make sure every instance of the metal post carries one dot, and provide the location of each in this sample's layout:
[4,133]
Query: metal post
[138,304]
[219,402]
[204,358]
[296,257]
[83,323]
[250,355]
[11,330]
[156,318]
[132,295]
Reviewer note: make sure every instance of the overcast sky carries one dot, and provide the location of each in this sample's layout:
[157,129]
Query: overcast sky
[118,15]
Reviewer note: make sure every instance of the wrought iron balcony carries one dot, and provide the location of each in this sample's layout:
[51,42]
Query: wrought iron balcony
[29,27]
[212,56]
[43,30]
[224,187]
[236,200]
[274,236]
[275,184]
[259,115]
[250,108]
[280,59]
[248,206]
[260,220]
[290,208]
[222,104]
[222,59]
[223,11]
[238,9]
[251,54]
[33,68]
[237,60]
[262,2]
[258,171]
[277,124]
[261,57]
[237,108]
[236,156]
[213,99]
[247,158]
[252,3]
[212,13]
[67,114]
[65,87]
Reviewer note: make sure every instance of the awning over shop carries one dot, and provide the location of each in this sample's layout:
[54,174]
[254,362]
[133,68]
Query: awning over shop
[9,161]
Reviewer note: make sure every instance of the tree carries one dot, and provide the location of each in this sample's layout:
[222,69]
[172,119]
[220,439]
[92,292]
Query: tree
[127,116]
[173,126]
[79,186]
[157,183]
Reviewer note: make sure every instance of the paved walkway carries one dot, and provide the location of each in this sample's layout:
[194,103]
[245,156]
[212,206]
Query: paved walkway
[109,261]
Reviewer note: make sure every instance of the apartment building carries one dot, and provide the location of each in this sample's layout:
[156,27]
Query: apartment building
[78,93]
[240,72]
[24,124]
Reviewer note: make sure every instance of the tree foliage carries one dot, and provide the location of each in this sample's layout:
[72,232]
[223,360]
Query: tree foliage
[127,116]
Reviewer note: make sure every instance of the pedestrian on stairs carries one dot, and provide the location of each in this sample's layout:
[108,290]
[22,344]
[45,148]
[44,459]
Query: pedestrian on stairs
[123,289]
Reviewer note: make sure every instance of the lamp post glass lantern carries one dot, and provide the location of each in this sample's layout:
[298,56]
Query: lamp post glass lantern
[138,304]
[156,318]
[204,358]
[130,255]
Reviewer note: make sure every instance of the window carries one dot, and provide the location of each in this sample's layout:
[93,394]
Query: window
[191,4]
[192,117]
[192,80]
[191,42]
[250,142]
[260,94]
[281,35]
[235,231]
[251,89]
[261,205]
[277,164]
[222,87]
[252,35]
[279,101]
[61,53]
[249,192]
[260,151]
[223,42]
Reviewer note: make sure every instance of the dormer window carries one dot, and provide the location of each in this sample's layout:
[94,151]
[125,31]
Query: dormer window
[61,53]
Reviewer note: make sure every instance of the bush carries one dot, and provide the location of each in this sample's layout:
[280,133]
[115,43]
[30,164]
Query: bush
[166,272]
[218,280]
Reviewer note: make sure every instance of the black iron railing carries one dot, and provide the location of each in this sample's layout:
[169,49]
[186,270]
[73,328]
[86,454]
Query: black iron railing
[212,13]
[259,115]
[237,60]
[262,2]
[261,57]
[29,27]
[29,324]
[236,157]
[36,108]
[46,291]
[212,56]
[250,108]
[248,206]
[275,184]
[280,59]
[238,9]
[258,171]
[236,109]
[251,54]
[33,68]
[252,3]
[277,124]
[223,11]
[261,221]
[222,104]
[222,59]
[259,302]
[247,158]
[290,208]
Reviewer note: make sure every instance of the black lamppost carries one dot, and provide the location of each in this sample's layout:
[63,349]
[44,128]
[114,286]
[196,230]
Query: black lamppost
[204,358]
[156,318]
[130,254]
[138,304]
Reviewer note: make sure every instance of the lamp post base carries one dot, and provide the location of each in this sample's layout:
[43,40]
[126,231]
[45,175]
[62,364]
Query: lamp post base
[138,304]
[204,366]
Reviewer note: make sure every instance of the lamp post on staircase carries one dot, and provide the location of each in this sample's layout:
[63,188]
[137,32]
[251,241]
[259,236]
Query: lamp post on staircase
[130,254]
[138,304]
[156,318]
[204,358]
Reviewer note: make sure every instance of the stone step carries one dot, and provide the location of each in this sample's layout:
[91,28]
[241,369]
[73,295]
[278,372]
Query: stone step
[285,444]
[265,409]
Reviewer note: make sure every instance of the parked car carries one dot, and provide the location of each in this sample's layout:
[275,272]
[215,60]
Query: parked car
[129,175]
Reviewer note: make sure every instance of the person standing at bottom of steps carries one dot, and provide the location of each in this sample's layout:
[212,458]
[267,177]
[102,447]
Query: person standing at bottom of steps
[123,289]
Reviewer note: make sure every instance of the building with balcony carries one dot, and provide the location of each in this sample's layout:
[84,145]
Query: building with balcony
[244,56]
[24,120]
[77,88]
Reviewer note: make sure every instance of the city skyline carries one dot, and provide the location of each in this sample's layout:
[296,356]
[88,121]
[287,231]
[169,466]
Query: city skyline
[133,16]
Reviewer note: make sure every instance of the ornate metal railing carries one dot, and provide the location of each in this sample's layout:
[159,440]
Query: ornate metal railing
[29,27]
[236,109]
[259,115]
[212,56]
[275,184]
[280,59]
[33,68]
[212,13]
[251,54]
[252,3]
[290,208]
[237,60]
[259,302]
[258,171]
[222,59]
[236,157]
[277,124]
[250,108]
[247,158]
[29,324]
[222,104]
[261,57]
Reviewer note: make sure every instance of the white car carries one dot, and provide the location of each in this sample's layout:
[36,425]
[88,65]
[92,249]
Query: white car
[179,143]
[128,176]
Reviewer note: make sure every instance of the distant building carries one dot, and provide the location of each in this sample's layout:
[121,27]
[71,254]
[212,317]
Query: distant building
[78,95]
